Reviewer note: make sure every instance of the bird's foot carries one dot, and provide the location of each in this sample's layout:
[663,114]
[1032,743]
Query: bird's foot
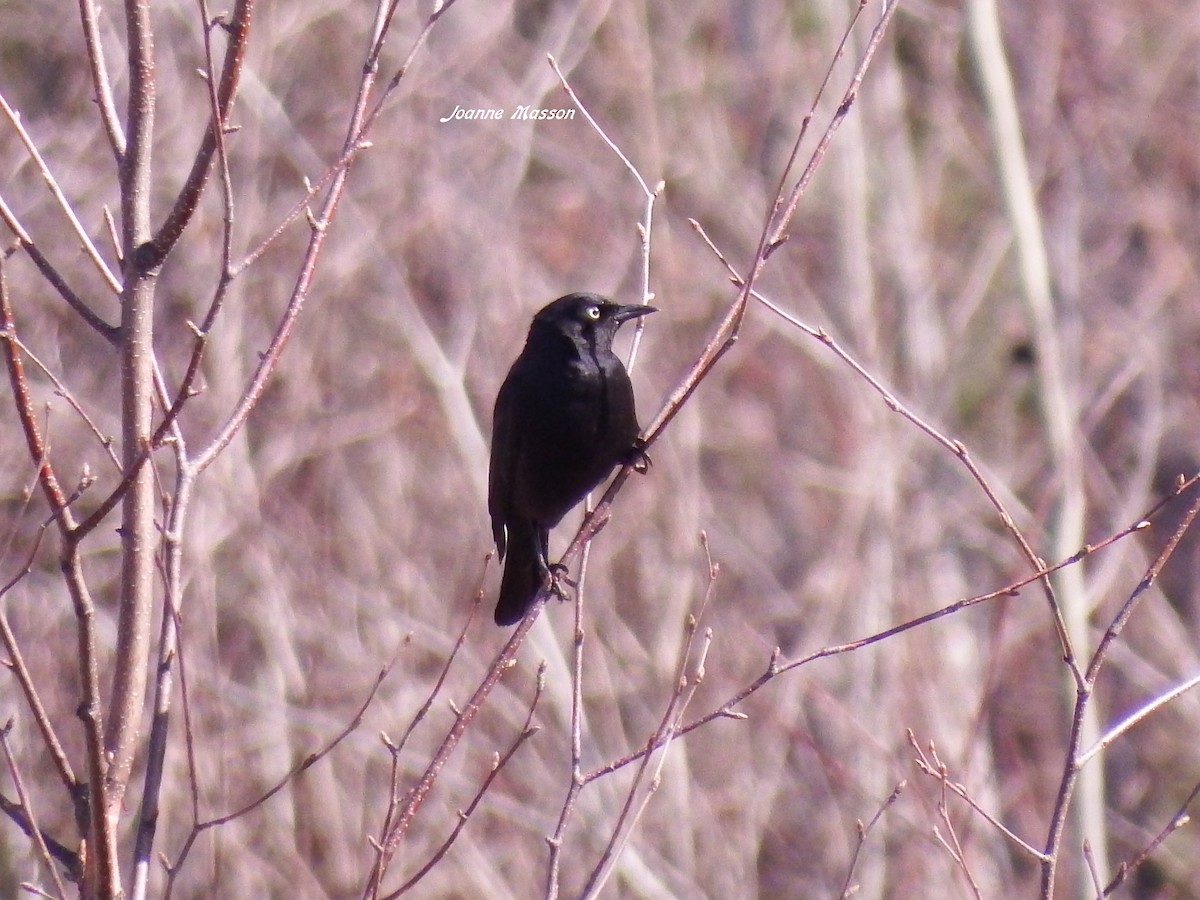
[558,577]
[637,457]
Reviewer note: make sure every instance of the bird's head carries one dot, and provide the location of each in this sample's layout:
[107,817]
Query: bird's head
[585,317]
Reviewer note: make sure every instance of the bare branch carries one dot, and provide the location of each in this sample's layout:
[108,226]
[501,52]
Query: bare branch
[1135,717]
[238,29]
[16,663]
[936,769]
[14,118]
[390,842]
[1180,819]
[849,887]
[109,332]
[100,79]
[29,823]
[527,731]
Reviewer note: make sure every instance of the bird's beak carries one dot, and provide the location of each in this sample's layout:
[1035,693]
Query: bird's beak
[625,313]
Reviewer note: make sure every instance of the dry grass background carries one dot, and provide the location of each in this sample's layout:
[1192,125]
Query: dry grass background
[347,525]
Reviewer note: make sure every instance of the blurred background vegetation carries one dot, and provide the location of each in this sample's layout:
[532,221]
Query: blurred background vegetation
[350,516]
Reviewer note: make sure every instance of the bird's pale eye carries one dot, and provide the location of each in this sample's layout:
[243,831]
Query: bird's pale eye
[593,313]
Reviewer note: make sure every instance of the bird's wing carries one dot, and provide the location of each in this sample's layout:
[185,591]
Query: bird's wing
[501,469]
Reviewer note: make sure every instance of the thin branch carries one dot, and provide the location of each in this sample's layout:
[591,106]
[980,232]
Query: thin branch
[217,112]
[612,145]
[777,667]
[16,663]
[849,887]
[170,656]
[65,856]
[359,126]
[109,332]
[644,227]
[379,32]
[784,220]
[31,825]
[1073,763]
[362,125]
[100,80]
[527,731]
[63,391]
[1180,819]
[238,28]
[390,841]
[1089,859]
[1123,615]
[308,762]
[189,746]
[396,748]
[55,497]
[1134,718]
[936,769]
[555,841]
[958,448]
[302,207]
[682,692]
[89,248]
[932,766]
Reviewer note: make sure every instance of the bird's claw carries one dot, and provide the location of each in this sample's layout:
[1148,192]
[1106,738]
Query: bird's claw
[638,458]
[558,577]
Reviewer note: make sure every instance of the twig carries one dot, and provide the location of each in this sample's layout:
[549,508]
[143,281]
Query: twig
[308,762]
[957,447]
[89,248]
[848,887]
[16,663]
[357,131]
[65,856]
[682,692]
[777,667]
[645,226]
[1177,821]
[63,391]
[783,221]
[397,747]
[361,123]
[170,656]
[1123,615]
[109,332]
[555,841]
[220,100]
[100,80]
[1074,762]
[218,112]
[420,714]
[1089,859]
[390,841]
[935,770]
[31,825]
[527,731]
[1135,717]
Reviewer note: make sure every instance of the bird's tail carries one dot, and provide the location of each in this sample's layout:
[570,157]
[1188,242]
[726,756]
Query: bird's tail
[524,572]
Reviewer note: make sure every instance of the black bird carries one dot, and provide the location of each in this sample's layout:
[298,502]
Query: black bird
[564,418]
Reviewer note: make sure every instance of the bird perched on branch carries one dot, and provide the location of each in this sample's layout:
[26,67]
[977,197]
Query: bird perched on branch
[564,418]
